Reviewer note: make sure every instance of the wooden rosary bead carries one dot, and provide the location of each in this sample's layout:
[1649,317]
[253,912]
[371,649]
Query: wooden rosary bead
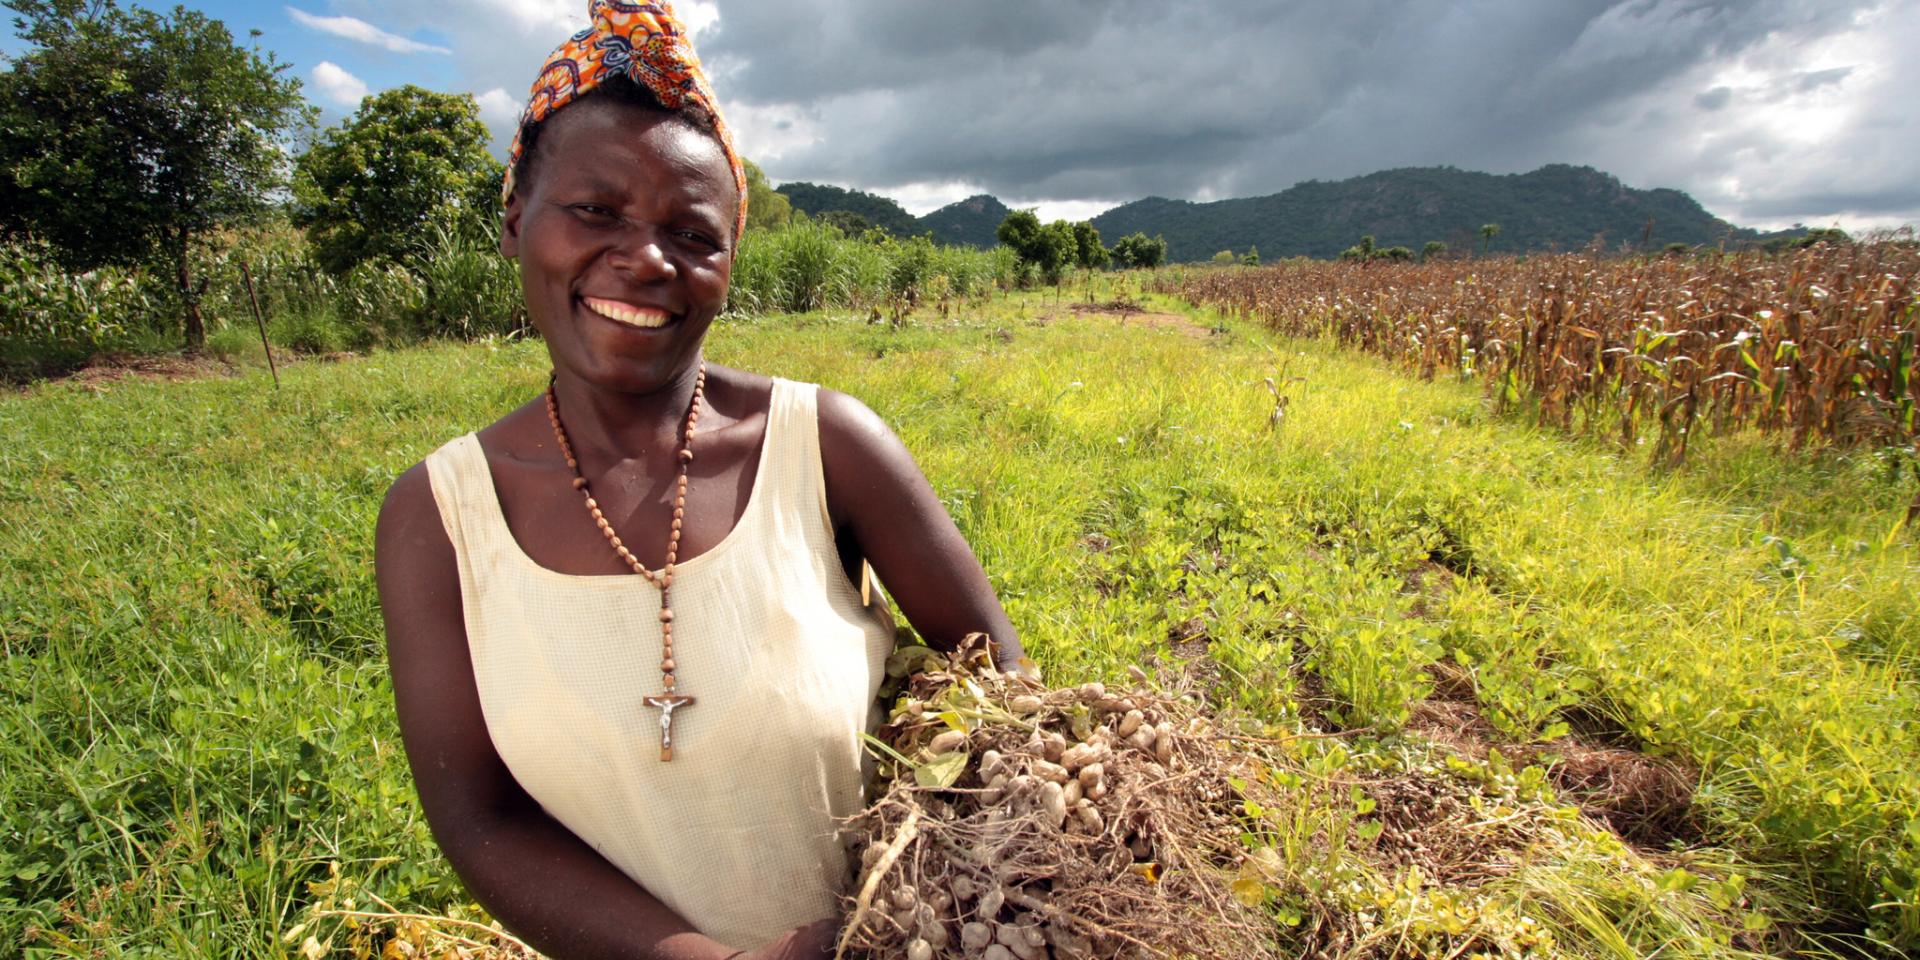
[664,578]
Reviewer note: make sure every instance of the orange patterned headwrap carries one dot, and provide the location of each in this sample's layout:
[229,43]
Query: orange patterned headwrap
[645,43]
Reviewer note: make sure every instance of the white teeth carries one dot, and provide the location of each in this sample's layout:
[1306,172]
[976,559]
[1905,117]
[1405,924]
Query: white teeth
[631,316]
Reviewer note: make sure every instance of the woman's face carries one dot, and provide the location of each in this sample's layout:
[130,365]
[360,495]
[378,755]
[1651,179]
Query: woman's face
[625,242]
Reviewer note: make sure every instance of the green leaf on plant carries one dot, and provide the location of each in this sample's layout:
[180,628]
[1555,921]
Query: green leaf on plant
[942,771]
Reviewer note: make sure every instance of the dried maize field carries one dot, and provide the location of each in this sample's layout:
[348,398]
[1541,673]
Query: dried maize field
[1814,348]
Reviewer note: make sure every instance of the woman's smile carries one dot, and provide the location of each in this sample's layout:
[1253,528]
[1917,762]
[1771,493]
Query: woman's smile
[632,315]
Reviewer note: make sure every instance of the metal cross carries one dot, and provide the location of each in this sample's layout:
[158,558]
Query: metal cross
[667,704]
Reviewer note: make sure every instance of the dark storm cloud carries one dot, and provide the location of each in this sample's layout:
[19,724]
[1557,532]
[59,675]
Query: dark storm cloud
[1116,99]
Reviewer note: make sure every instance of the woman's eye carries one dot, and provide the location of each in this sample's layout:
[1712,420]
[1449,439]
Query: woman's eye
[702,239]
[593,213]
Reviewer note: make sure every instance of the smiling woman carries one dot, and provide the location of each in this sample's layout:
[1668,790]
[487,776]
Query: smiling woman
[631,665]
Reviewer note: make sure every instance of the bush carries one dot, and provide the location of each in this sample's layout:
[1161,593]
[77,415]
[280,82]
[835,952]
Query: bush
[383,297]
[468,289]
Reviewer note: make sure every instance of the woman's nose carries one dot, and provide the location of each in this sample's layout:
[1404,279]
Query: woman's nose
[642,253]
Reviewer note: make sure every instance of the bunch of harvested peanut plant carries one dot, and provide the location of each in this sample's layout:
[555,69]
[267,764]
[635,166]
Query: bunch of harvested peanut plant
[1015,822]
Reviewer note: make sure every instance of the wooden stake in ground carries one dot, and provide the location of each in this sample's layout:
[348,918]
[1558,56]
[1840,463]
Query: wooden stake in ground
[261,320]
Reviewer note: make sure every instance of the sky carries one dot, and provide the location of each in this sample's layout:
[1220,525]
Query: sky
[1769,112]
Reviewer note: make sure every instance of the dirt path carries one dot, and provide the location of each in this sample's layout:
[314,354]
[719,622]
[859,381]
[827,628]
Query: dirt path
[1134,315]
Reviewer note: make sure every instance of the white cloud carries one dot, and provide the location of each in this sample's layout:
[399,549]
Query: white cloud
[498,108]
[358,30]
[1069,210]
[337,85]
[697,16]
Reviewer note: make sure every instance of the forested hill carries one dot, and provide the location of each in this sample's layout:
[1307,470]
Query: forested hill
[876,211]
[1555,207]
[971,221]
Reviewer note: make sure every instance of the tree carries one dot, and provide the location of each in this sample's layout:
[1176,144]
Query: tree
[1487,232]
[1362,251]
[1048,248]
[1433,250]
[407,159]
[1252,258]
[127,135]
[1225,257]
[1056,252]
[1088,252]
[1136,250]
[767,208]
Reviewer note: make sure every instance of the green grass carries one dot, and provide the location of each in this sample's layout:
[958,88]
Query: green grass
[195,719]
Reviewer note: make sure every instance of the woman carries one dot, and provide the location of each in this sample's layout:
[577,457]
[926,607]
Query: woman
[630,661]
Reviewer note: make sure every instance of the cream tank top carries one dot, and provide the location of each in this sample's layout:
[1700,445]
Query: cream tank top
[738,833]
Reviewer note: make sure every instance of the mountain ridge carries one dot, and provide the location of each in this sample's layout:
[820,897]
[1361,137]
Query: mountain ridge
[1558,206]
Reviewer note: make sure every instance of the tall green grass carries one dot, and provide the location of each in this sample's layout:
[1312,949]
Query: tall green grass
[809,265]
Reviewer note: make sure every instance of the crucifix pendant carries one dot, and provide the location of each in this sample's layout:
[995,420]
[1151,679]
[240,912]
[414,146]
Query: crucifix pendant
[667,704]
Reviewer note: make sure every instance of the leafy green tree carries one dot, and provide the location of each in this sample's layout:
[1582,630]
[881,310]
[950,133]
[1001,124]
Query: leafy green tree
[1056,252]
[1046,248]
[1252,257]
[1225,257]
[127,135]
[1395,253]
[1088,252]
[407,159]
[1433,250]
[1487,232]
[1136,250]
[1020,231]
[767,208]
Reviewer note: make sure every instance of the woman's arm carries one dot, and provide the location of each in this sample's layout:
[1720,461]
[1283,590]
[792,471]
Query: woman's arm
[545,884]
[876,493]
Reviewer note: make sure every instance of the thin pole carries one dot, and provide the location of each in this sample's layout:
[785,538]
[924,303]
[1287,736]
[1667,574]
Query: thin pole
[247,275]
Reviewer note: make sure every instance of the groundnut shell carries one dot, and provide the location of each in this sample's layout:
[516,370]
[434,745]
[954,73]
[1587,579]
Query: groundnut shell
[991,902]
[1163,742]
[947,742]
[1053,800]
[1090,775]
[1051,772]
[975,936]
[1026,704]
[990,762]
[1053,746]
[999,952]
[1131,722]
[918,949]
[1090,817]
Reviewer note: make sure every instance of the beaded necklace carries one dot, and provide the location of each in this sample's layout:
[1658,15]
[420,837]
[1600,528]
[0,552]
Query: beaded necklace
[669,700]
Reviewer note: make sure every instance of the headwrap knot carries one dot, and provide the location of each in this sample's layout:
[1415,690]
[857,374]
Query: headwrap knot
[645,43]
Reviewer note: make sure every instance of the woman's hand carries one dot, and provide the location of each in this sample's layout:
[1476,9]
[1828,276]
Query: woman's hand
[815,941]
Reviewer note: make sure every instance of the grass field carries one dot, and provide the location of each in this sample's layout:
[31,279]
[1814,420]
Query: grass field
[195,724]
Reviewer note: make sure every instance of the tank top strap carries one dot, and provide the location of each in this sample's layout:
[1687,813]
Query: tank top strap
[463,490]
[796,486]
